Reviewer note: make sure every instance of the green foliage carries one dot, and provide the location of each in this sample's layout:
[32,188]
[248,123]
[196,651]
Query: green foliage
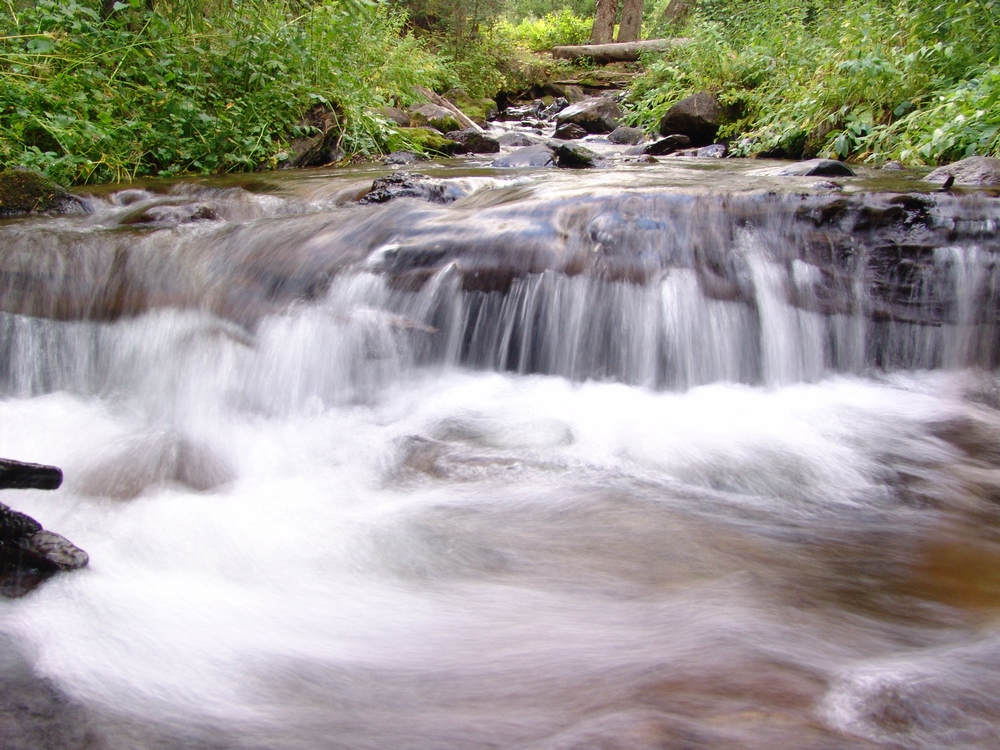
[552,29]
[862,79]
[85,98]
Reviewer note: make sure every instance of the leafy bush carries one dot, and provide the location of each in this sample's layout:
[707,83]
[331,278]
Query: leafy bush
[86,98]
[862,79]
[552,29]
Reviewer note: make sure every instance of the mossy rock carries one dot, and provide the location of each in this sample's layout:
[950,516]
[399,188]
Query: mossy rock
[428,140]
[478,110]
[23,191]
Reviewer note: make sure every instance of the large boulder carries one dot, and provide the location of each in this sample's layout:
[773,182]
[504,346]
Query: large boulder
[473,142]
[813,168]
[569,131]
[395,115]
[595,115]
[433,116]
[517,139]
[530,156]
[667,145]
[23,191]
[698,117]
[983,171]
[577,156]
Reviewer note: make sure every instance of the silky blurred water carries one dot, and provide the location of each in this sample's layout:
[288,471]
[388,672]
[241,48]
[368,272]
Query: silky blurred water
[371,519]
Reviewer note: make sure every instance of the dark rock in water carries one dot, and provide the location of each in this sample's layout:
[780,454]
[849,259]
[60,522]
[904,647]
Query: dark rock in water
[982,171]
[698,117]
[170,214]
[402,158]
[627,136]
[16,475]
[595,115]
[826,185]
[530,156]
[576,156]
[433,116]
[667,145]
[408,185]
[892,166]
[23,191]
[533,110]
[558,105]
[570,131]
[473,142]
[814,168]
[15,525]
[57,549]
[518,140]
[715,151]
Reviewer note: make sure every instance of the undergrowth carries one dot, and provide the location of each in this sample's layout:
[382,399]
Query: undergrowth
[867,80]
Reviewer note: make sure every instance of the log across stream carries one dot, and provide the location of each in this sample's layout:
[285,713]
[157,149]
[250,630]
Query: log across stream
[657,456]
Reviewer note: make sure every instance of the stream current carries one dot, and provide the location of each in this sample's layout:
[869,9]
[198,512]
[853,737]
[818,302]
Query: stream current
[655,457]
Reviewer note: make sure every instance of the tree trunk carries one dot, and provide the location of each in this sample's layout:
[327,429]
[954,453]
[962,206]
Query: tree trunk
[628,29]
[604,22]
[675,12]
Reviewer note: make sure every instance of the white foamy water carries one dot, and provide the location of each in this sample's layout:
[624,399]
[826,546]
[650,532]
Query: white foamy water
[290,552]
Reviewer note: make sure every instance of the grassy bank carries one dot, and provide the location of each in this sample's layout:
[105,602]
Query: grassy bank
[868,80]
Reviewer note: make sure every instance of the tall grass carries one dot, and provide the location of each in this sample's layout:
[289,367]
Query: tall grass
[913,80]
[86,96]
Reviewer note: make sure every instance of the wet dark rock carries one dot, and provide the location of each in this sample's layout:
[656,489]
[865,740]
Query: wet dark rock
[408,185]
[16,475]
[667,145]
[433,116]
[814,168]
[698,117]
[576,156]
[403,158]
[981,171]
[826,185]
[595,115]
[170,214]
[539,155]
[627,136]
[715,151]
[525,111]
[23,191]
[892,166]
[473,142]
[570,131]
[28,553]
[558,105]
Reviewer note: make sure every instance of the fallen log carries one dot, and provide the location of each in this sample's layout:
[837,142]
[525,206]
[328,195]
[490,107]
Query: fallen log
[464,120]
[616,52]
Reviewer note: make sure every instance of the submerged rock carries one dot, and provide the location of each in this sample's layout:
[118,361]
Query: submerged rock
[983,171]
[23,191]
[401,158]
[473,142]
[408,185]
[577,156]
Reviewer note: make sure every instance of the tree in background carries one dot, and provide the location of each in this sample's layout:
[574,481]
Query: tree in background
[604,21]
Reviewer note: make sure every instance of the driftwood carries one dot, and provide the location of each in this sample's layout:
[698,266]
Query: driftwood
[463,119]
[617,52]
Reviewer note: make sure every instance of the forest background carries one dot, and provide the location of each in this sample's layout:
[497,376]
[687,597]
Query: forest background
[105,90]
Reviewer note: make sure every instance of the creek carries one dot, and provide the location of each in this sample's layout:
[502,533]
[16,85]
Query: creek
[683,455]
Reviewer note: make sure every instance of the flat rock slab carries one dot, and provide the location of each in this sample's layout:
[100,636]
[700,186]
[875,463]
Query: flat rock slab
[529,156]
[982,171]
[811,168]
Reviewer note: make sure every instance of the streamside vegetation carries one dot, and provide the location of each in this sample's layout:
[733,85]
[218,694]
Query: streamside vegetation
[110,90]
[916,81]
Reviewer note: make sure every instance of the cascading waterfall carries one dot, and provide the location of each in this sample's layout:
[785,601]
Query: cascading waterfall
[561,464]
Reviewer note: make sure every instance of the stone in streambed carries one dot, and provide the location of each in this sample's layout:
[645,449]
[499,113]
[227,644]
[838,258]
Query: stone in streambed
[473,142]
[531,156]
[698,117]
[667,145]
[981,171]
[433,116]
[408,185]
[813,168]
[626,136]
[577,156]
[23,191]
[569,131]
[596,115]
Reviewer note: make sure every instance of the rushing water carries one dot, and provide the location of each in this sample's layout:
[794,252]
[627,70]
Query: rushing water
[573,462]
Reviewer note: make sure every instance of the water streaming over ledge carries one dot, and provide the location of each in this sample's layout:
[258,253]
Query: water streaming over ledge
[623,461]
